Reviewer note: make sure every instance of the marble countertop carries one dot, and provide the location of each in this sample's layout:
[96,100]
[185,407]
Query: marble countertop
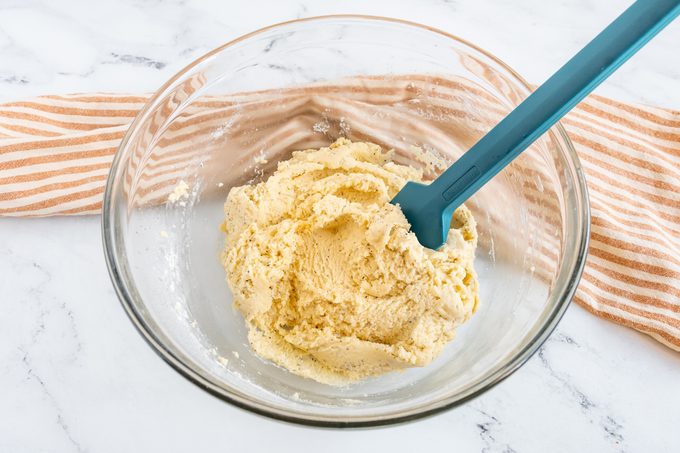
[77,377]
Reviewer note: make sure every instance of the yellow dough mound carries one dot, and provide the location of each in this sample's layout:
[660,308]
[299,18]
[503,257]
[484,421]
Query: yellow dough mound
[331,282]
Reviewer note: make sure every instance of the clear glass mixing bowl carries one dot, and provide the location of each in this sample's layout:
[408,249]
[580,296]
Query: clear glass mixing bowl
[230,116]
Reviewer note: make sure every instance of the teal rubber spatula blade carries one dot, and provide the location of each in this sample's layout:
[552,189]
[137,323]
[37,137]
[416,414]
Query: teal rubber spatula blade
[429,208]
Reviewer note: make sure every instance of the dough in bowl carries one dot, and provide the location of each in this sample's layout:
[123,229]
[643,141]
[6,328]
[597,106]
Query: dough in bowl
[331,282]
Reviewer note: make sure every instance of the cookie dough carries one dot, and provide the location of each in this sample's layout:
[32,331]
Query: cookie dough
[331,282]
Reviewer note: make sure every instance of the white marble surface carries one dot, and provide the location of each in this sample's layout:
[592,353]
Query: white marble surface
[74,374]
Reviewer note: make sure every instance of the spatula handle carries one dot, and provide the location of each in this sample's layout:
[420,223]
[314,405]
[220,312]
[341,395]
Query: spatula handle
[568,86]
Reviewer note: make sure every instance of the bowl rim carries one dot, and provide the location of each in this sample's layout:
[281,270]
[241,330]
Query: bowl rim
[518,359]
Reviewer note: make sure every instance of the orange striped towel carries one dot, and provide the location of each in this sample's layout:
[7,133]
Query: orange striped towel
[55,153]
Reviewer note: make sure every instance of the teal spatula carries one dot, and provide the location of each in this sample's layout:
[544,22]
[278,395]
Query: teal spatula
[429,208]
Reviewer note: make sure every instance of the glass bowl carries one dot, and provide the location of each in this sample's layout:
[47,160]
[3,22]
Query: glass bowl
[230,116]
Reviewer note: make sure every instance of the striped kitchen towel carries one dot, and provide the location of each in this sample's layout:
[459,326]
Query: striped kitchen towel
[55,153]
